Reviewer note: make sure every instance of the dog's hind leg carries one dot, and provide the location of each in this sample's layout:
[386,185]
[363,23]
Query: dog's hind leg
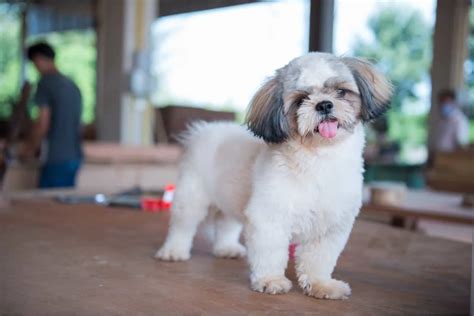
[190,207]
[227,235]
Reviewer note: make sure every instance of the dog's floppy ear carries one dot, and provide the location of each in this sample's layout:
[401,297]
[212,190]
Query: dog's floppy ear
[266,116]
[375,90]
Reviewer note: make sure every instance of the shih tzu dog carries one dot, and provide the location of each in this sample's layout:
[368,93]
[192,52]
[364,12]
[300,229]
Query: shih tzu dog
[295,176]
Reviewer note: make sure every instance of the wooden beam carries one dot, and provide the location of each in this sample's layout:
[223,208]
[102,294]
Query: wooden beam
[170,7]
[321,26]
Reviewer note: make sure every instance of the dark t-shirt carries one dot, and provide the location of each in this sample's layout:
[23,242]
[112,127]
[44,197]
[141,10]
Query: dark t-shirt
[64,100]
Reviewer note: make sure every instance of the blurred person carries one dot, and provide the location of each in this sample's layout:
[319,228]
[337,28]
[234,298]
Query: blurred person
[57,129]
[449,128]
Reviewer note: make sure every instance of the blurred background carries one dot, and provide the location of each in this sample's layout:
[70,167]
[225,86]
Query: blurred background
[146,68]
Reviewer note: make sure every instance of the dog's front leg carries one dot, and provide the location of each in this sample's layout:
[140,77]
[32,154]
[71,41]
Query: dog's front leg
[315,262]
[267,240]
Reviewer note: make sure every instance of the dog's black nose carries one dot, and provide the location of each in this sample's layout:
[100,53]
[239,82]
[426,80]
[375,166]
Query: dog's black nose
[324,107]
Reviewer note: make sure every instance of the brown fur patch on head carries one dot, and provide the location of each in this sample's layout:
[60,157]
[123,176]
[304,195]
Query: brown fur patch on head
[266,117]
[374,89]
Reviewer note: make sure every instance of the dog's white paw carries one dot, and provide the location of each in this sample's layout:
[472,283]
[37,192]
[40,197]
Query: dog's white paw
[272,285]
[331,289]
[230,251]
[168,253]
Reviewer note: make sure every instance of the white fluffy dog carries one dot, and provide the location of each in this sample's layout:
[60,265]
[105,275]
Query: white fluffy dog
[299,180]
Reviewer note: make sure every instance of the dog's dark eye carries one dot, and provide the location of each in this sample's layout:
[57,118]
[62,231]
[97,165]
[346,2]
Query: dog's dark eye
[341,93]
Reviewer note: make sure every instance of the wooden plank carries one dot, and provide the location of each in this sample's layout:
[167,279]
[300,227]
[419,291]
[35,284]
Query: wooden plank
[426,204]
[100,178]
[108,153]
[453,171]
[446,182]
[459,162]
[90,260]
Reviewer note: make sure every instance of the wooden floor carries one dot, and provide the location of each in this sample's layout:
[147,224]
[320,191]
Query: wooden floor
[91,260]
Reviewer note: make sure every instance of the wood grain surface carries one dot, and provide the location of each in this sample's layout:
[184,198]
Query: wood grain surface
[91,260]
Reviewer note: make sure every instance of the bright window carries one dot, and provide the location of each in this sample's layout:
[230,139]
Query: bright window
[397,35]
[218,58]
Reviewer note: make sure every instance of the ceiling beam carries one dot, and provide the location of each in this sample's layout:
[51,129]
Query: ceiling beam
[170,7]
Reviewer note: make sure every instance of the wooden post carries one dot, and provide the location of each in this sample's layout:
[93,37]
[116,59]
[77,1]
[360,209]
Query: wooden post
[321,26]
[110,74]
[449,49]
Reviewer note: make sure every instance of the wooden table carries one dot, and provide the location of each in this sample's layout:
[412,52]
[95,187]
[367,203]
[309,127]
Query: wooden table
[91,260]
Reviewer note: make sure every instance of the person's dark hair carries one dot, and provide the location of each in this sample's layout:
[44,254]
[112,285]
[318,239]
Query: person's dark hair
[447,93]
[41,48]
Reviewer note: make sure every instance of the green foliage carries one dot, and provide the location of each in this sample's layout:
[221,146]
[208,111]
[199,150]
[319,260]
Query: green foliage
[471,130]
[76,58]
[9,58]
[470,76]
[409,128]
[402,48]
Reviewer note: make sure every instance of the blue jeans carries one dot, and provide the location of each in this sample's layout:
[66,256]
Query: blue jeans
[59,174]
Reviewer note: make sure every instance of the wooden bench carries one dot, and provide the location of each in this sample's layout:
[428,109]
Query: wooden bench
[425,204]
[111,167]
[453,172]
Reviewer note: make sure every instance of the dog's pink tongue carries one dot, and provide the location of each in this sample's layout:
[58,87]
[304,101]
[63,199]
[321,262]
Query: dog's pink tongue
[328,129]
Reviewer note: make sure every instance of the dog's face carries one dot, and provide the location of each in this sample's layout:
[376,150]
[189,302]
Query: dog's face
[318,96]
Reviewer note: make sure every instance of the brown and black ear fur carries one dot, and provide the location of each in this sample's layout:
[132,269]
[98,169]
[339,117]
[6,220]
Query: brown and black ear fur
[266,117]
[374,88]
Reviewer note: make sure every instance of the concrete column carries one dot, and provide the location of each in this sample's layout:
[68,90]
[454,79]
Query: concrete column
[137,111]
[449,46]
[321,26]
[111,80]
[124,113]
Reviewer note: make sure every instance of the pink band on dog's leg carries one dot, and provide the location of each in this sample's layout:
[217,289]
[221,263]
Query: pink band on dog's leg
[291,250]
